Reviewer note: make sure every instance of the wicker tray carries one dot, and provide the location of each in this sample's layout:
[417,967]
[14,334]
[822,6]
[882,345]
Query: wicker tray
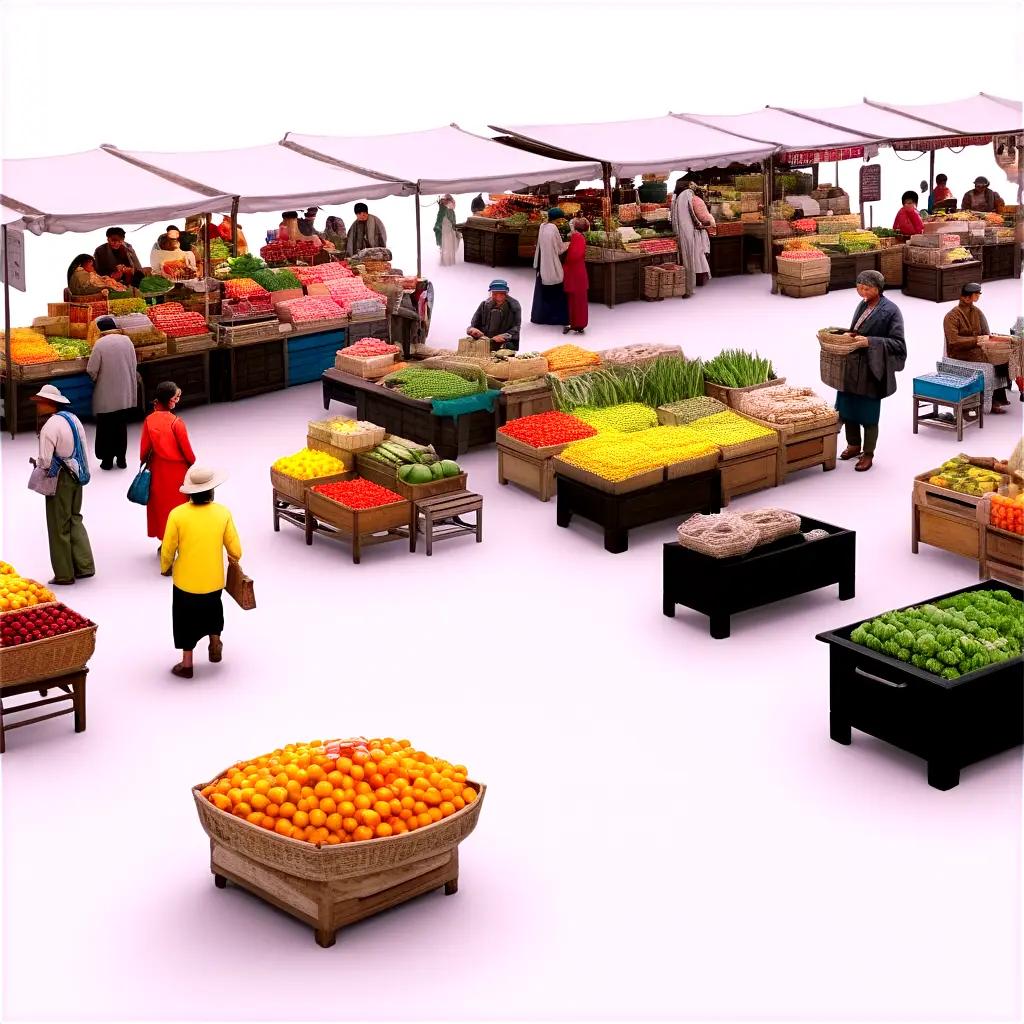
[516,369]
[367,367]
[726,395]
[369,437]
[41,659]
[289,487]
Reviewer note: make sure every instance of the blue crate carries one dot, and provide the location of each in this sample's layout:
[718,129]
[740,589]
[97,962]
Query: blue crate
[948,387]
[310,354]
[77,389]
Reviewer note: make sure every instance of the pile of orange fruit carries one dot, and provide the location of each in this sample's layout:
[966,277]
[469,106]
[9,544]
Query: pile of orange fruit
[17,592]
[342,791]
[1008,513]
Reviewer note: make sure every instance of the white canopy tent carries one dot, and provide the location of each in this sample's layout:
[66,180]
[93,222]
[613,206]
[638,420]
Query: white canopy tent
[94,189]
[656,145]
[271,177]
[976,115]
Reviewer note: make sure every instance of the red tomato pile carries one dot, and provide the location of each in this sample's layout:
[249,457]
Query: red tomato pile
[347,291]
[358,494]
[654,246]
[370,347]
[802,254]
[284,250]
[546,428]
[171,318]
[309,309]
[244,288]
[39,623]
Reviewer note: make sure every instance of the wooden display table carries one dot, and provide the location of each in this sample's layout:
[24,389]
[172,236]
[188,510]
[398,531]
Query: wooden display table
[410,417]
[845,268]
[960,406]
[728,255]
[441,515]
[245,370]
[191,372]
[622,280]
[721,587]
[619,513]
[945,518]
[493,247]
[360,528]
[938,284]
[950,723]
[1000,260]
[72,686]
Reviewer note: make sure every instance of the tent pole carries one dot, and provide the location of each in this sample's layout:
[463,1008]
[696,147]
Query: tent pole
[606,201]
[931,173]
[419,240]
[207,269]
[9,410]
[234,225]
[768,173]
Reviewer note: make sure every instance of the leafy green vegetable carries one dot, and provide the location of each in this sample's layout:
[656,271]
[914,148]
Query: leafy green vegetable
[276,280]
[246,265]
[154,283]
[734,368]
[659,382]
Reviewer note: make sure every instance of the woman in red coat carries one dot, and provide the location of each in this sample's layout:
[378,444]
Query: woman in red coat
[576,283]
[166,448]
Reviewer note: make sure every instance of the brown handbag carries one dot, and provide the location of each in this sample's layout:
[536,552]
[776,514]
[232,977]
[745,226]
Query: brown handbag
[240,587]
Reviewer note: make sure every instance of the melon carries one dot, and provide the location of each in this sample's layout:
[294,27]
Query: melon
[449,468]
[436,471]
[418,474]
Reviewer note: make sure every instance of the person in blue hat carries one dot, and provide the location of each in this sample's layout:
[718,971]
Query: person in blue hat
[498,318]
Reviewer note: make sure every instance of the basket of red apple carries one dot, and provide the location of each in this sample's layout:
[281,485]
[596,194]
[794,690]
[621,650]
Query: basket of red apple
[43,641]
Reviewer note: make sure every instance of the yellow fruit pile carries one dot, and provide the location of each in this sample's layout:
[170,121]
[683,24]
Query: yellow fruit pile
[342,791]
[308,465]
[564,357]
[28,346]
[726,428]
[620,456]
[18,592]
[625,417]
[341,425]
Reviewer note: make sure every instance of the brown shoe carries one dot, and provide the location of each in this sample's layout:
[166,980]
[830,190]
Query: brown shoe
[216,650]
[999,410]
[849,452]
[182,672]
[864,463]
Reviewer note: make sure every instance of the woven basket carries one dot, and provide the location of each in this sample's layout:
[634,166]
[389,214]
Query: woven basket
[475,347]
[835,343]
[890,263]
[833,369]
[364,366]
[516,369]
[355,441]
[772,524]
[723,535]
[335,863]
[41,659]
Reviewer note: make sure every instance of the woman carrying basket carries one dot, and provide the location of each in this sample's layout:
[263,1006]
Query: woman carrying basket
[871,368]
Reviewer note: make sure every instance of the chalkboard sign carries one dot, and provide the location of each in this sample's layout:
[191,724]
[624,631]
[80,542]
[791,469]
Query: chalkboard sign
[870,183]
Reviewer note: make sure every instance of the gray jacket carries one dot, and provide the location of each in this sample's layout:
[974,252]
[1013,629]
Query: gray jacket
[871,371]
[112,367]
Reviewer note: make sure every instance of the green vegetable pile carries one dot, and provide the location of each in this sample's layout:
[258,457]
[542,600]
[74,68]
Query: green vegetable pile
[734,368]
[660,382]
[884,232]
[952,637]
[153,283]
[119,307]
[219,249]
[243,266]
[416,383]
[276,280]
[692,409]
[71,348]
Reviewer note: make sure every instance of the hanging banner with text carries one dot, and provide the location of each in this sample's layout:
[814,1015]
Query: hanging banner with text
[806,157]
[13,255]
[870,183]
[927,145]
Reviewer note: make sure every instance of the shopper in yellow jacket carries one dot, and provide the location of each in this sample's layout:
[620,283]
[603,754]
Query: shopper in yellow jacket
[195,539]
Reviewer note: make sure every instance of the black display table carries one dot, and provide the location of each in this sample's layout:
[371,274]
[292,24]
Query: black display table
[241,371]
[727,255]
[951,723]
[191,372]
[617,514]
[939,284]
[1000,260]
[410,417]
[622,280]
[492,247]
[721,587]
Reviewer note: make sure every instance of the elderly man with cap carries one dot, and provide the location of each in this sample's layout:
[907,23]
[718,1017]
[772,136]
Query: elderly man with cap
[981,199]
[966,331]
[498,318]
[62,453]
[871,368]
[112,366]
[117,259]
[367,232]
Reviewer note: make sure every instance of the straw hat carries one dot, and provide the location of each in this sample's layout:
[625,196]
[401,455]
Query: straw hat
[48,393]
[202,478]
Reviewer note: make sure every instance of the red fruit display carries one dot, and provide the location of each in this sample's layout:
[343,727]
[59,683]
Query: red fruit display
[547,428]
[42,622]
[358,494]
[371,347]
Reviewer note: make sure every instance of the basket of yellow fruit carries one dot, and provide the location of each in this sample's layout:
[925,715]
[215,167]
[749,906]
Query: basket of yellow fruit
[343,437]
[334,831]
[292,475]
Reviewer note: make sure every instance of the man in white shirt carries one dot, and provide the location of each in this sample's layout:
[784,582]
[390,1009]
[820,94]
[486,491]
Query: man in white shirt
[62,439]
[112,367]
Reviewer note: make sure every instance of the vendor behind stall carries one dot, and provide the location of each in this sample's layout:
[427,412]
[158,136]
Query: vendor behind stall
[171,231]
[908,220]
[367,231]
[117,259]
[168,250]
[981,199]
[498,318]
[83,279]
[941,193]
[965,326]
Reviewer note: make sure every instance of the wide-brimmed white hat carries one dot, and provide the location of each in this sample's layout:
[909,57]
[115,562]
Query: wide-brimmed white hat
[202,478]
[48,393]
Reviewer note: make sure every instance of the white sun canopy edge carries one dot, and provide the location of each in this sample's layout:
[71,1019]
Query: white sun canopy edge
[95,189]
[784,131]
[270,177]
[976,115]
[445,159]
[656,145]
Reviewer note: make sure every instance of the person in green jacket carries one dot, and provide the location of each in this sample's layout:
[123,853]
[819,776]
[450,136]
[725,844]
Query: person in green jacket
[445,232]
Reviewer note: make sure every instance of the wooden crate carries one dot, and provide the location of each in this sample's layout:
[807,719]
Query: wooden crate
[599,483]
[296,489]
[186,346]
[514,405]
[846,267]
[744,474]
[690,467]
[939,284]
[727,395]
[331,887]
[945,518]
[804,447]
[358,527]
[802,291]
[1002,553]
[535,474]
[804,271]
[387,476]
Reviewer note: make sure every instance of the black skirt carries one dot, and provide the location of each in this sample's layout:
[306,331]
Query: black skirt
[195,616]
[549,305]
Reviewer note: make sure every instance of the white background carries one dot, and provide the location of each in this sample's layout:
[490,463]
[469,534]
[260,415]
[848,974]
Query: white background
[668,831]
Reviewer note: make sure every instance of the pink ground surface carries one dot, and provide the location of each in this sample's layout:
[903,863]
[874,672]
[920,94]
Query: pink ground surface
[669,832]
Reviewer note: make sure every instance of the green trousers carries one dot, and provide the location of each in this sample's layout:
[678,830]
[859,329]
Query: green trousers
[870,436]
[70,551]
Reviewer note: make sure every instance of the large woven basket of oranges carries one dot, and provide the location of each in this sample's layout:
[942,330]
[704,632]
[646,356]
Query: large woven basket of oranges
[332,810]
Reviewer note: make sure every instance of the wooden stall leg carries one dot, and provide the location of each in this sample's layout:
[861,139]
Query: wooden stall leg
[326,396]
[959,421]
[917,409]
[309,527]
[451,887]
[277,517]
[220,881]
[325,937]
[847,587]
[428,529]
[915,528]
[414,528]
[3,746]
[356,552]
[839,730]
[720,625]
[943,774]
[563,513]
[78,693]
[480,525]
[668,605]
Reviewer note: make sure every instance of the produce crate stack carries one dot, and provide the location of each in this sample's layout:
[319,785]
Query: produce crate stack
[527,447]
[802,273]
[1001,521]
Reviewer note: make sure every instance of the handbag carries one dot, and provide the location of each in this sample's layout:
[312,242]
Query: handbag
[240,587]
[138,491]
[42,482]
